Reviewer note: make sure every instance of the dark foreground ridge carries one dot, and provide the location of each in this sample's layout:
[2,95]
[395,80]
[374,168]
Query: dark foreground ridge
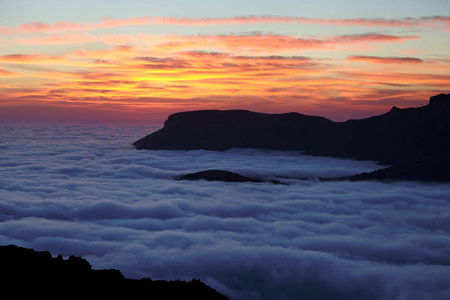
[402,138]
[27,273]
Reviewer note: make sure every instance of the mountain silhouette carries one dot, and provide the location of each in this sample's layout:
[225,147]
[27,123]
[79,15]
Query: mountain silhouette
[221,175]
[400,137]
[26,273]
[217,175]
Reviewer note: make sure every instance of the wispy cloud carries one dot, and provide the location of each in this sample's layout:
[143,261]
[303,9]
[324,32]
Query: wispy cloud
[385,60]
[254,41]
[33,27]
[402,22]
[30,58]
[6,73]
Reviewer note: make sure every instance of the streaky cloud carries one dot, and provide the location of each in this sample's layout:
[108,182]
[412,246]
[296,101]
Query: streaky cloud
[409,22]
[385,60]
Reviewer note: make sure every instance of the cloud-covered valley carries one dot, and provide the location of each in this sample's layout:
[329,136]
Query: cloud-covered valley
[86,191]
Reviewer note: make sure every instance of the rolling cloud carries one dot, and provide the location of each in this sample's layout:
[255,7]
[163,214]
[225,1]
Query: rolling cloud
[85,191]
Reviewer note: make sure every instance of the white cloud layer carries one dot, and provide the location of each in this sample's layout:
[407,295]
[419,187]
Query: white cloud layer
[86,191]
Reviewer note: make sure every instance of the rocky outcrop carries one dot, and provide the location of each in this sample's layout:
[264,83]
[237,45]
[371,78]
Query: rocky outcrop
[221,175]
[399,137]
[222,130]
[26,273]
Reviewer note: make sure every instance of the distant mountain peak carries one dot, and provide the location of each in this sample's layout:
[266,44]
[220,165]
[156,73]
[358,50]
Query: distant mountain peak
[394,108]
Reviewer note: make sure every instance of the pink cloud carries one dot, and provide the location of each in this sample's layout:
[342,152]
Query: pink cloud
[280,43]
[6,73]
[435,21]
[27,58]
[260,43]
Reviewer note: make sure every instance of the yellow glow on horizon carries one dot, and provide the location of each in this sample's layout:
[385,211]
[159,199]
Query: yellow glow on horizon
[259,71]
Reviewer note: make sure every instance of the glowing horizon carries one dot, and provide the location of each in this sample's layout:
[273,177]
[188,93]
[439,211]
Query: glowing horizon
[143,68]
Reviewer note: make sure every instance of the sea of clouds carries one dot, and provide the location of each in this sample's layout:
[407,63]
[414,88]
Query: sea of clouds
[86,191]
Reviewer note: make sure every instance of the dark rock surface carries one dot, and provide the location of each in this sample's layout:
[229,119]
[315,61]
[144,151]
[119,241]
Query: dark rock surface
[27,273]
[400,137]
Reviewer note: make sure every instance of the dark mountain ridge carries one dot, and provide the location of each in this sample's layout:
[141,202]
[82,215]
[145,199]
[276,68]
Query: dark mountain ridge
[26,273]
[399,137]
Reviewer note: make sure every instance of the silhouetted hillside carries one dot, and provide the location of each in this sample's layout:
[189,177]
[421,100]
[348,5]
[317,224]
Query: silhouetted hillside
[429,169]
[27,273]
[399,137]
[217,175]
[220,175]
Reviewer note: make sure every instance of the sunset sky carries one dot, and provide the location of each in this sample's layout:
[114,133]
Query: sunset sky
[137,62]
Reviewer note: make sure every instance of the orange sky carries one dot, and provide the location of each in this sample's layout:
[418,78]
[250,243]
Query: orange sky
[131,70]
